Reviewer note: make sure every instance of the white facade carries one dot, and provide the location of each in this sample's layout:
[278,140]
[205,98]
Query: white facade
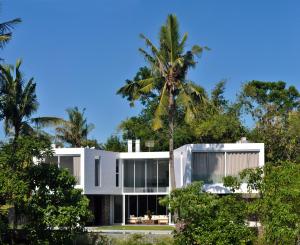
[99,177]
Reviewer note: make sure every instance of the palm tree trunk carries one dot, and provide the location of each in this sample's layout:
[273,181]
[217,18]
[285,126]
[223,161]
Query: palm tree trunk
[171,111]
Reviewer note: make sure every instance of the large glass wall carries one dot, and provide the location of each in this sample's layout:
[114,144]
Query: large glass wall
[141,205]
[146,175]
[210,167]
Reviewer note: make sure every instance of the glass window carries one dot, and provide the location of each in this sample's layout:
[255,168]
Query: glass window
[142,205]
[51,160]
[97,171]
[117,173]
[237,161]
[151,175]
[163,173]
[117,209]
[72,164]
[128,173]
[208,166]
[76,169]
[139,173]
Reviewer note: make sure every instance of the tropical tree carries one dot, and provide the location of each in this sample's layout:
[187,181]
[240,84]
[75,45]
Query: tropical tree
[18,102]
[169,64]
[205,218]
[5,31]
[114,143]
[274,107]
[45,194]
[75,130]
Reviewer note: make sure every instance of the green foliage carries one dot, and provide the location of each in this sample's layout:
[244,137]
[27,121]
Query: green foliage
[5,31]
[169,64]
[219,128]
[165,76]
[75,131]
[205,218]
[232,182]
[278,207]
[275,109]
[138,239]
[42,193]
[4,209]
[216,121]
[18,102]
[113,143]
[265,100]
[54,203]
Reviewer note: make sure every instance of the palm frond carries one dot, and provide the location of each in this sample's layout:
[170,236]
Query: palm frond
[5,31]
[161,109]
[146,85]
[47,121]
[159,59]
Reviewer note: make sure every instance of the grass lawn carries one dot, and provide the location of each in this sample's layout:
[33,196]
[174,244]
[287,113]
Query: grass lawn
[138,227]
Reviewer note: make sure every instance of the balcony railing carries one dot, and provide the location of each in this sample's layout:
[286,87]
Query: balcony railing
[146,189]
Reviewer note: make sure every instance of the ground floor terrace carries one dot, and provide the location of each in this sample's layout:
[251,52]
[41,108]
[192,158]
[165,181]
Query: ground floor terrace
[128,210]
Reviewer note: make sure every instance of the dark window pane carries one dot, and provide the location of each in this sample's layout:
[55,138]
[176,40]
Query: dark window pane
[117,209]
[163,173]
[139,173]
[152,204]
[142,206]
[208,166]
[132,205]
[151,175]
[97,169]
[161,210]
[117,180]
[128,173]
[117,166]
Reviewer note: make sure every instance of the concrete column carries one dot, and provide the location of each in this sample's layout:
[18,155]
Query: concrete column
[123,209]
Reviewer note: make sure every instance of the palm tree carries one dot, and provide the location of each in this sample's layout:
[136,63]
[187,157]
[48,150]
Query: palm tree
[75,130]
[169,64]
[5,31]
[18,101]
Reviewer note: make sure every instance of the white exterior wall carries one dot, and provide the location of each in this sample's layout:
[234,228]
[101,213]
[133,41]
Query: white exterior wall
[72,152]
[183,162]
[182,165]
[107,185]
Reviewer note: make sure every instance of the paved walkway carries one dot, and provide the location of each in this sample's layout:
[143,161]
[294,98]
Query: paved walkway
[154,232]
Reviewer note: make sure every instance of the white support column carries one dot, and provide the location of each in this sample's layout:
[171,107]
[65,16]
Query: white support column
[146,175]
[58,161]
[181,170]
[122,175]
[156,175]
[123,209]
[134,176]
[112,211]
[225,163]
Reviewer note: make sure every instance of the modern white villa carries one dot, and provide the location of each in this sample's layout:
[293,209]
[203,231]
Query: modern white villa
[124,187]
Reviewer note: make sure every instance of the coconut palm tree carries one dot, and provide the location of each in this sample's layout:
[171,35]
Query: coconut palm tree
[18,102]
[5,31]
[75,130]
[169,64]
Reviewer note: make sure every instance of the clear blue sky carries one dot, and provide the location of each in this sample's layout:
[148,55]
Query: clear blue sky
[81,52]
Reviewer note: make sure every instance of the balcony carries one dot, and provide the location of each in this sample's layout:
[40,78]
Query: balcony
[146,190]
